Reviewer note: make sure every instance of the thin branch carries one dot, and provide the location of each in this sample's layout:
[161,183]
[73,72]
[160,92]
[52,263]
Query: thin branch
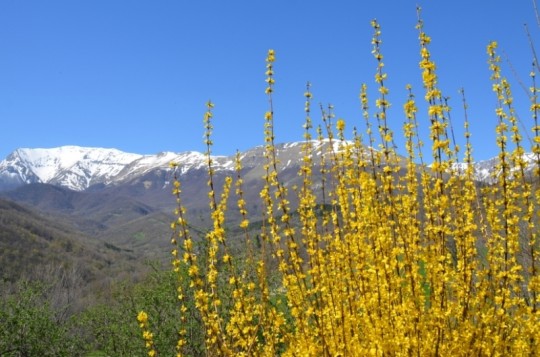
[536,12]
[531,44]
[516,75]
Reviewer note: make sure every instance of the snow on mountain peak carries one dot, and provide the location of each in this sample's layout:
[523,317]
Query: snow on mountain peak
[48,163]
[78,168]
[69,166]
[487,171]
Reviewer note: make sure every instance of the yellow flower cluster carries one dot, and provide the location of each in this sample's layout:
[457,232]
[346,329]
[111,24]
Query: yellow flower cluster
[382,103]
[270,58]
[148,337]
[375,254]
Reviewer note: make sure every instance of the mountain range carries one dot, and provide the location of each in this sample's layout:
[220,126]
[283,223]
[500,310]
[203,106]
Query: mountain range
[79,168]
[83,168]
[117,204]
[123,199]
[99,189]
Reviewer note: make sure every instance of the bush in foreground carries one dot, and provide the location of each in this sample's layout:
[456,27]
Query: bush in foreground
[407,259]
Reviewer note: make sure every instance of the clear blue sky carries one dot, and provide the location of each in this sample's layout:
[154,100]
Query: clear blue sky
[135,75]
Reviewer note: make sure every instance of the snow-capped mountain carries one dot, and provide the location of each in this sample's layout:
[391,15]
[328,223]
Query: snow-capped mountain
[486,170]
[73,167]
[78,168]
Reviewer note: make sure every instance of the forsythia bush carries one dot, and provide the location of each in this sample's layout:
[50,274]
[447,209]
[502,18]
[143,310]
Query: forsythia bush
[403,258]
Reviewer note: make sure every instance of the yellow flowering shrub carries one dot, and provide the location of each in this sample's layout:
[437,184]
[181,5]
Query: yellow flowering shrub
[384,255]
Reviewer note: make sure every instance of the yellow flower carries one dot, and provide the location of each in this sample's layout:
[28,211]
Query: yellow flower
[435,110]
[142,317]
[491,48]
[147,335]
[271,56]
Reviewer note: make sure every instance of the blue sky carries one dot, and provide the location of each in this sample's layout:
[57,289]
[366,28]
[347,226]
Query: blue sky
[135,75]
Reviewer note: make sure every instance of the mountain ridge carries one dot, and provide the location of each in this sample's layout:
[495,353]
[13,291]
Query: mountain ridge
[81,168]
[128,202]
